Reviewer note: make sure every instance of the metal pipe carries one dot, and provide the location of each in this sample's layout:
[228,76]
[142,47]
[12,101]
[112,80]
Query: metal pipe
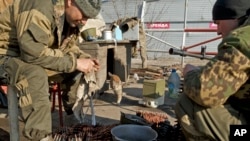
[207,53]
[13,113]
[161,40]
[143,11]
[184,33]
[200,30]
[183,30]
[213,39]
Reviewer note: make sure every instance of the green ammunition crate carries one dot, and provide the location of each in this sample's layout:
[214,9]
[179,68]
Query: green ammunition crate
[153,88]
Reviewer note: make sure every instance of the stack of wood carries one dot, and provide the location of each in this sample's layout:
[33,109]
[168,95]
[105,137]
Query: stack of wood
[150,72]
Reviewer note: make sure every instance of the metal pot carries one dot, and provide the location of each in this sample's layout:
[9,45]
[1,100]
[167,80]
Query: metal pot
[89,34]
[132,132]
[107,35]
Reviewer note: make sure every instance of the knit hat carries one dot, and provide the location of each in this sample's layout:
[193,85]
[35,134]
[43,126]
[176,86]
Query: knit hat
[230,9]
[90,8]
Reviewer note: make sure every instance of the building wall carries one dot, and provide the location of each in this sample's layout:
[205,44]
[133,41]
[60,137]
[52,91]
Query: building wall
[198,15]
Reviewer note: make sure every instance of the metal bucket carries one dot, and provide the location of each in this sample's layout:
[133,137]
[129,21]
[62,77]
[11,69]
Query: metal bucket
[132,132]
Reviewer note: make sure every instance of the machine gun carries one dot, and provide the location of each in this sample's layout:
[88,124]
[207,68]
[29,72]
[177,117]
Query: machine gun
[173,51]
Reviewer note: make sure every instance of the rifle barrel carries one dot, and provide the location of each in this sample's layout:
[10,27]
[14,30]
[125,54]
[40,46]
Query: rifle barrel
[173,51]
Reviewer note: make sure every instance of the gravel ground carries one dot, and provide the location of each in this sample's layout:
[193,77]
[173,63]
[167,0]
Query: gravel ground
[106,111]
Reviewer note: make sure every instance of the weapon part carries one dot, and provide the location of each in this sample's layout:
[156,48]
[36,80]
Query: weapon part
[173,51]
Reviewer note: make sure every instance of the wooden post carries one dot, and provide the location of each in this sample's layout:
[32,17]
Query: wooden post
[13,113]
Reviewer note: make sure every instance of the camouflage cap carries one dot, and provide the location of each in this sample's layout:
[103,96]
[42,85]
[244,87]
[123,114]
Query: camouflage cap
[230,9]
[90,8]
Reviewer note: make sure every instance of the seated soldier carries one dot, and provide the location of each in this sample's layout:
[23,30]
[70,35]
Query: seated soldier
[217,95]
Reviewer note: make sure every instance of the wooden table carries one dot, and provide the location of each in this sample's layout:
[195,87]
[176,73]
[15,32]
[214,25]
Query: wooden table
[114,57]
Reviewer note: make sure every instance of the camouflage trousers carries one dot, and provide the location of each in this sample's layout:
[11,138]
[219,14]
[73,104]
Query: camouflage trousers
[32,83]
[204,124]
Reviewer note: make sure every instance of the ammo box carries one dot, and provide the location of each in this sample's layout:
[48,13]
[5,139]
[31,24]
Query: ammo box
[153,92]
[153,88]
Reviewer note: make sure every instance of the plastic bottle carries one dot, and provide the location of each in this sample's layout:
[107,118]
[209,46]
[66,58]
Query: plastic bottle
[173,84]
[118,33]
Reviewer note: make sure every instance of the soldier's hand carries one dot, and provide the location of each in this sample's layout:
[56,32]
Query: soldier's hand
[97,64]
[87,65]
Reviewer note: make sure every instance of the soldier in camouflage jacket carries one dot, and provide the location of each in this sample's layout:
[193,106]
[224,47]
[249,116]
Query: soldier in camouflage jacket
[38,41]
[217,95]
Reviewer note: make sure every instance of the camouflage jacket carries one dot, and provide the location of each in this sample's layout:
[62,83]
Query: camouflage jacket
[226,78]
[34,32]
[4,4]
